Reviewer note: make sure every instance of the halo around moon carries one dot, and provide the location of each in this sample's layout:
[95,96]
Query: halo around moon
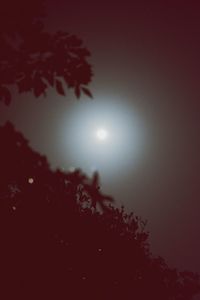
[105,136]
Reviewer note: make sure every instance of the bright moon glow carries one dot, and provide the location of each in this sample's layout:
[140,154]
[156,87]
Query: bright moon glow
[101,134]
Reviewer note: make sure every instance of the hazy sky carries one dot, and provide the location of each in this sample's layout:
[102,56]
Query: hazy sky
[146,63]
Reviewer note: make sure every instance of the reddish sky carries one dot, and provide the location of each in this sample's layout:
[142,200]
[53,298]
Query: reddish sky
[146,55]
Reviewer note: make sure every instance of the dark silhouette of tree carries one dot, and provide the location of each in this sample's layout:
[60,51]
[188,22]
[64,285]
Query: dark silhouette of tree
[90,192]
[56,244]
[60,236]
[33,59]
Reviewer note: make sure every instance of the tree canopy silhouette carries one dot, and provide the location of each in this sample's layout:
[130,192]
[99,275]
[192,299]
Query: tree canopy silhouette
[33,59]
[56,244]
[61,237]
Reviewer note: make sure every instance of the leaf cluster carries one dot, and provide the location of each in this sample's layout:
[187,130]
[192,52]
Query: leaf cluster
[33,60]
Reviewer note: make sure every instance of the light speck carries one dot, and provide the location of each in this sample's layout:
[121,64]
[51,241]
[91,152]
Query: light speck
[30,180]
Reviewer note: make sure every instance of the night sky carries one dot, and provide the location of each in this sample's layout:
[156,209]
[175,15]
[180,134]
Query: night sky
[145,59]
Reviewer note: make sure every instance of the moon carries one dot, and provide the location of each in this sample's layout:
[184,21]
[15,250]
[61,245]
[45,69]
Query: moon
[101,134]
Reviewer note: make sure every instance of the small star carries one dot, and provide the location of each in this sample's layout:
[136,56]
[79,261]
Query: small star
[83,277]
[30,180]
[99,249]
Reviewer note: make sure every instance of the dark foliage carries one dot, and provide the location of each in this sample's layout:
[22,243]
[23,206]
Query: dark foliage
[61,237]
[57,243]
[33,59]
